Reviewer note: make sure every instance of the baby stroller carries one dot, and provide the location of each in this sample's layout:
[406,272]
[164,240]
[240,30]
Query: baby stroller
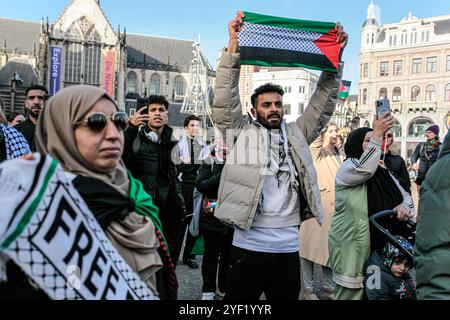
[387,277]
[409,231]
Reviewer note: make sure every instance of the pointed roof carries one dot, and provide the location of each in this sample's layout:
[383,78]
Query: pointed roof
[72,2]
[371,19]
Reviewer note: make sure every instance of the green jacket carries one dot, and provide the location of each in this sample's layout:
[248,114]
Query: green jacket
[432,247]
[349,237]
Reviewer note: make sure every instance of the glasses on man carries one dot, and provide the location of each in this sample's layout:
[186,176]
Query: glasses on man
[97,121]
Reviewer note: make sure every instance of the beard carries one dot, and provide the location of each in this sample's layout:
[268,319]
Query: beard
[34,114]
[266,123]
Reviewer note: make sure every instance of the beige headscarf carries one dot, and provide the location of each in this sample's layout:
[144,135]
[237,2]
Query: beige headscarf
[134,237]
[55,133]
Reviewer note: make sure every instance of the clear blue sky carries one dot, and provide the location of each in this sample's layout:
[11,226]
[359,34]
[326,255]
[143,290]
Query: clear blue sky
[186,19]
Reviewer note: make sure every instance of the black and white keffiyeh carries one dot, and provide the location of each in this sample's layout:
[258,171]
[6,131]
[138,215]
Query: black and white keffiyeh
[15,143]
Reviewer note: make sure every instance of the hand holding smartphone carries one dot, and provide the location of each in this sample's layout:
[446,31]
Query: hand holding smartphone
[382,107]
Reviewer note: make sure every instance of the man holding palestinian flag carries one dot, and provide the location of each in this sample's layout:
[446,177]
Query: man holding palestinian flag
[269,184]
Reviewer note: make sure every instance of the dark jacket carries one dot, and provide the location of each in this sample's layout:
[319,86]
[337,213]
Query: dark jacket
[152,165]
[28,129]
[432,246]
[397,166]
[391,287]
[208,181]
[427,155]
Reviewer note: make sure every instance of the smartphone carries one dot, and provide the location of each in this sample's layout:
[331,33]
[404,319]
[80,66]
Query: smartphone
[382,107]
[142,102]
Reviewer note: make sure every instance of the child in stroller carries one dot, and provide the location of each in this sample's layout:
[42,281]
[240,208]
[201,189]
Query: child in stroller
[388,274]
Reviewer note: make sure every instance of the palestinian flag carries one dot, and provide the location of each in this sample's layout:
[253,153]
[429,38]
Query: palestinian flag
[344,90]
[281,42]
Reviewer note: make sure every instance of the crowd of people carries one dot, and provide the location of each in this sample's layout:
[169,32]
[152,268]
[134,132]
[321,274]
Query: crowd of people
[272,200]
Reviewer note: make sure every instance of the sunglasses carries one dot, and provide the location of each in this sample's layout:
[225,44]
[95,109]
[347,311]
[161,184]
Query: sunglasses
[97,121]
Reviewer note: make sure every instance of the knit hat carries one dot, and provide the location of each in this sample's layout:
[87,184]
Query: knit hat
[434,128]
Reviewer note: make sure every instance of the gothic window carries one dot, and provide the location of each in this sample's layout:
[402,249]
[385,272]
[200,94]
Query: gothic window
[82,54]
[131,82]
[178,86]
[430,93]
[366,70]
[155,84]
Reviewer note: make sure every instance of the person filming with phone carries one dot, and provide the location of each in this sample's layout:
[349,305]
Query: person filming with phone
[149,147]
[363,188]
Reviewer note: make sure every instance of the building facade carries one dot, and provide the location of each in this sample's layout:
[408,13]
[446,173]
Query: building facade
[407,62]
[298,85]
[82,47]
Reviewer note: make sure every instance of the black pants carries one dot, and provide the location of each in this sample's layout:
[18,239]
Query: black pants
[252,273]
[217,253]
[172,229]
[188,195]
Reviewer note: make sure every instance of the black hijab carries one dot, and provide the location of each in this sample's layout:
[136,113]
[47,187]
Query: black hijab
[382,191]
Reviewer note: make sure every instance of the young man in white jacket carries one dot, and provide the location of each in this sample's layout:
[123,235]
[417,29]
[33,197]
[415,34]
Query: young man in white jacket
[266,200]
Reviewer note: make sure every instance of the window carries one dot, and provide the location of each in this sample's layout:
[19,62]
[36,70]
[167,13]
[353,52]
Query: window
[432,64]
[178,86]
[366,70]
[155,84]
[396,94]
[415,92]
[301,89]
[397,129]
[301,108]
[447,92]
[423,36]
[418,127]
[395,40]
[384,68]
[287,109]
[82,53]
[398,67]
[364,96]
[416,65]
[447,64]
[427,36]
[131,82]
[390,40]
[383,93]
[430,92]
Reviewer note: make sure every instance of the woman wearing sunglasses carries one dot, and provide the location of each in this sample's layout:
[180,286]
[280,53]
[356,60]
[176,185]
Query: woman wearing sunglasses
[82,128]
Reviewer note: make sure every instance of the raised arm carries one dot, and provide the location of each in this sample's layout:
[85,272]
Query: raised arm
[356,171]
[323,101]
[227,110]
